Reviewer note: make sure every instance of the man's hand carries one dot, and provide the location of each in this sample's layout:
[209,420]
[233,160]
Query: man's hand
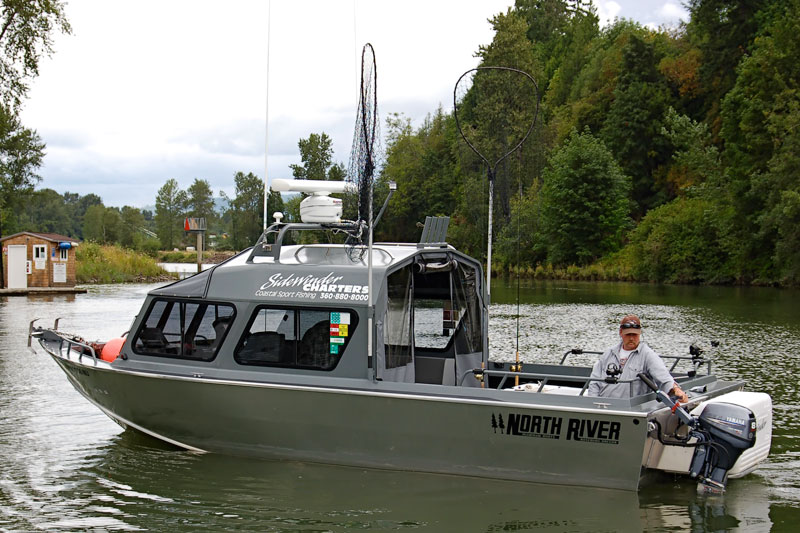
[679,394]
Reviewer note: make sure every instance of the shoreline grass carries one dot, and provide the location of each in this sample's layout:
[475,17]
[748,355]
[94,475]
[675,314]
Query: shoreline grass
[98,263]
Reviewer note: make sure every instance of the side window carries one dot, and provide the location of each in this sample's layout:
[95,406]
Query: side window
[187,330]
[63,254]
[40,251]
[296,338]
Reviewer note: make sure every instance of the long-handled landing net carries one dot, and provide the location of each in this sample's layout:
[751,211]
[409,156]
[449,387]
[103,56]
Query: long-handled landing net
[495,110]
[366,151]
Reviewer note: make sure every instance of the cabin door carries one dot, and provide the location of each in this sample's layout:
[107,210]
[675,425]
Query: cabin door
[17,266]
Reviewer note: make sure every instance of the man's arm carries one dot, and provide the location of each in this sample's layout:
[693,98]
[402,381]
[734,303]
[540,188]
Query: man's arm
[657,370]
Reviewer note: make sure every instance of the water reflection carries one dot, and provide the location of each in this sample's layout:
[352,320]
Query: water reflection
[65,467]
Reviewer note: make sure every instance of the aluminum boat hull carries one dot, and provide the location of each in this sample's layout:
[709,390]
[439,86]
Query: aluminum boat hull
[373,428]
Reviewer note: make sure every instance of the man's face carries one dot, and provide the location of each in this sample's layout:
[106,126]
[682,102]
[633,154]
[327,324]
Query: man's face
[630,338]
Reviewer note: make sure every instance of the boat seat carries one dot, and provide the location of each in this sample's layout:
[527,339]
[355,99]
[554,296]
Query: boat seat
[153,339]
[262,347]
[314,349]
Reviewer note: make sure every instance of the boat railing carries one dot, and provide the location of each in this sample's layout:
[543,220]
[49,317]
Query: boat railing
[696,359]
[66,343]
[278,231]
[541,379]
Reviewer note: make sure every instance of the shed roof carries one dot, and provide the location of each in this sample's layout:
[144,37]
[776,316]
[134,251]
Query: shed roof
[52,237]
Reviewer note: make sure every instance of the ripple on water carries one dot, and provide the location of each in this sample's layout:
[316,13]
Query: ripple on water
[65,467]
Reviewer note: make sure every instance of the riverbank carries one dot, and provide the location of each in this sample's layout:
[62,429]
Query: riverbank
[114,264]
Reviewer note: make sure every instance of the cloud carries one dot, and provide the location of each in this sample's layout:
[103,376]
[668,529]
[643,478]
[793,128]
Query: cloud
[607,11]
[672,11]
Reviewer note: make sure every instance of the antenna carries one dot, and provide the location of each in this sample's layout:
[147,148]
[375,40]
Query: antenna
[266,120]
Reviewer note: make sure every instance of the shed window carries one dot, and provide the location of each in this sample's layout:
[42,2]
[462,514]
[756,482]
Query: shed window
[296,338]
[181,329]
[40,251]
[63,254]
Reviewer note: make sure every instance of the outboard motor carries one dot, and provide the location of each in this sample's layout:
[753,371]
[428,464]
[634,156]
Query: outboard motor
[724,431]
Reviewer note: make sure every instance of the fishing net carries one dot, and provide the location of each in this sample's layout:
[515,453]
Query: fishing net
[365,154]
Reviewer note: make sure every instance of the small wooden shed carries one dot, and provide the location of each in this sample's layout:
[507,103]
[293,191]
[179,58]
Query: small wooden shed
[33,259]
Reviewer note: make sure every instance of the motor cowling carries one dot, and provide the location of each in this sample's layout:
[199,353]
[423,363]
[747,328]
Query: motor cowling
[725,431]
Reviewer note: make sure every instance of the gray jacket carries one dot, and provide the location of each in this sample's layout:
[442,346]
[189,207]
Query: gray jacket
[643,359]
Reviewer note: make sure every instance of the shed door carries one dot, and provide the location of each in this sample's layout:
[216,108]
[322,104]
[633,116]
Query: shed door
[17,259]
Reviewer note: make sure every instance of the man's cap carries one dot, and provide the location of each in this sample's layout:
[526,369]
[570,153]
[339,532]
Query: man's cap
[630,324]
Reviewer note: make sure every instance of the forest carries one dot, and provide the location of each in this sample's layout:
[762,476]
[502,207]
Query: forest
[662,155]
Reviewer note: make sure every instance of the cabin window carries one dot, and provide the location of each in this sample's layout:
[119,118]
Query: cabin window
[181,329]
[296,338]
[63,254]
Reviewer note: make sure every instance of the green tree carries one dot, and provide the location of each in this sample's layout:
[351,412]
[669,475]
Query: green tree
[102,224]
[130,228]
[201,202]
[723,31]
[422,164]
[247,210]
[759,126]
[26,29]
[316,154]
[584,202]
[21,152]
[170,209]
[46,211]
[632,130]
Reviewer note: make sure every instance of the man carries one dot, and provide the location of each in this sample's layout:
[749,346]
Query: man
[632,356]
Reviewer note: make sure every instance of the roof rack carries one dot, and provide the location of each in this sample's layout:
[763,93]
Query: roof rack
[263,248]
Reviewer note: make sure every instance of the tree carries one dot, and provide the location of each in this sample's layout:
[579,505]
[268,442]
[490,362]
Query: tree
[316,154]
[102,224]
[130,228]
[26,29]
[170,208]
[247,217]
[201,201]
[584,202]
[632,130]
[21,152]
[25,35]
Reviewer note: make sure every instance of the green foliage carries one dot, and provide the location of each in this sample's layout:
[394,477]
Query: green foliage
[680,242]
[247,210]
[316,154]
[200,202]
[170,210]
[26,29]
[21,152]
[422,166]
[584,202]
[102,224]
[114,264]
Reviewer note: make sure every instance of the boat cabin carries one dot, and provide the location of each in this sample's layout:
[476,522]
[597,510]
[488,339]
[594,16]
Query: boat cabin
[306,309]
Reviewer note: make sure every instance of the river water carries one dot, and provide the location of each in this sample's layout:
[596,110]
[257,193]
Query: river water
[64,466]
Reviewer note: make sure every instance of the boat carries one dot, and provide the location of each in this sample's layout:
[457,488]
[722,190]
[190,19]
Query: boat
[377,356]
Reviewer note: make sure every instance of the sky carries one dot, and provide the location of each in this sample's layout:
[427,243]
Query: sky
[147,90]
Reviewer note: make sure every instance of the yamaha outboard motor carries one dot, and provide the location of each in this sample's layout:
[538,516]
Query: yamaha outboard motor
[724,432]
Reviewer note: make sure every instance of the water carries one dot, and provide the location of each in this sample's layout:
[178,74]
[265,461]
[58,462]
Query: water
[64,466]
